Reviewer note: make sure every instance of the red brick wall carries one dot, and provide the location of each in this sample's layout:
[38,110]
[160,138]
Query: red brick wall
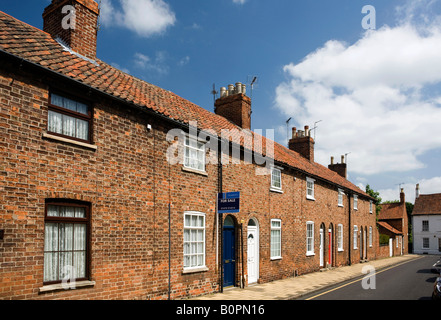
[130,186]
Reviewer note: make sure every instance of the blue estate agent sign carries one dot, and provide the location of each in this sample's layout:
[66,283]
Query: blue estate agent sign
[228,202]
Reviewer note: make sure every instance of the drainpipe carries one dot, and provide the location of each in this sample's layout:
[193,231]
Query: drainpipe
[220,218]
[349,228]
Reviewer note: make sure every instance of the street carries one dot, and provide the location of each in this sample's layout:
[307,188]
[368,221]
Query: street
[409,281]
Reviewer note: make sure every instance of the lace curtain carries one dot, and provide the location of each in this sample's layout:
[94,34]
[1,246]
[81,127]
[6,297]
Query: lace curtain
[64,245]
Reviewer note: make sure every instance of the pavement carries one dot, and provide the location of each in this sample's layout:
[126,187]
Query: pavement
[296,287]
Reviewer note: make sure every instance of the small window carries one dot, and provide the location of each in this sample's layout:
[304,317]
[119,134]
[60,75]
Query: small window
[370,237]
[276,238]
[355,237]
[309,238]
[425,225]
[69,118]
[194,240]
[355,202]
[194,154]
[66,241]
[426,243]
[340,237]
[340,197]
[276,179]
[371,205]
[310,188]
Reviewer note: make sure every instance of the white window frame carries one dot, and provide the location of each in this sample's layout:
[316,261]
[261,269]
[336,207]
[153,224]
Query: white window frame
[310,238]
[370,237]
[276,248]
[426,239]
[275,187]
[340,237]
[355,202]
[371,206]
[340,197]
[189,162]
[310,189]
[194,242]
[355,237]
[425,225]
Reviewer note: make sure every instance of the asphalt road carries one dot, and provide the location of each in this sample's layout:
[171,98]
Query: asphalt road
[412,280]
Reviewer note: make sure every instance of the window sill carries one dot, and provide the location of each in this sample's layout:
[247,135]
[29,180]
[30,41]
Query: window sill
[341,206]
[194,270]
[310,198]
[310,254]
[203,173]
[78,143]
[276,190]
[66,286]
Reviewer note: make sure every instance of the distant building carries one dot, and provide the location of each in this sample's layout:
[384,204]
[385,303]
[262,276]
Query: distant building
[393,222]
[426,217]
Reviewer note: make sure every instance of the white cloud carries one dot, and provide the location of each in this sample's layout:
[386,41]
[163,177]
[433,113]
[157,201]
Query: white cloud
[372,97]
[184,61]
[239,1]
[144,17]
[157,64]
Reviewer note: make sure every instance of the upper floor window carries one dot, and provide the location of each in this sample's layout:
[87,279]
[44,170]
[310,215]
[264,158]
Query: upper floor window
[340,197]
[194,154]
[340,237]
[310,188]
[370,206]
[425,225]
[66,241]
[355,202]
[276,179]
[69,118]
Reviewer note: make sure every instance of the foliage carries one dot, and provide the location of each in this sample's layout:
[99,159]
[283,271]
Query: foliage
[376,196]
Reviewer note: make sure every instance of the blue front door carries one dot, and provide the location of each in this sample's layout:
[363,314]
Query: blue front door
[229,255]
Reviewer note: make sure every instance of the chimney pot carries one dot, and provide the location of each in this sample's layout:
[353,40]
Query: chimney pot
[332,160]
[234,105]
[342,159]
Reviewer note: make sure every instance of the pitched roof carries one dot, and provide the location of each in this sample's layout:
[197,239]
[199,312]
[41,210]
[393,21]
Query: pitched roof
[38,47]
[389,227]
[427,204]
[392,211]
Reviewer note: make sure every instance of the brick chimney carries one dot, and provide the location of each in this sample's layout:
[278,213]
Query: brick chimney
[75,22]
[417,191]
[339,168]
[303,143]
[234,105]
[402,196]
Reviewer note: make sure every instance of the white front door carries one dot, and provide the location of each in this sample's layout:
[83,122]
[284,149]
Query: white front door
[253,254]
[322,247]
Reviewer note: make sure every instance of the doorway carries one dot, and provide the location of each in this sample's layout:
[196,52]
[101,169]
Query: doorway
[229,252]
[322,245]
[330,244]
[253,251]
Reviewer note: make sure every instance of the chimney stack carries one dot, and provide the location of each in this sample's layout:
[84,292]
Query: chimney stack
[402,196]
[75,23]
[339,168]
[417,191]
[234,105]
[303,143]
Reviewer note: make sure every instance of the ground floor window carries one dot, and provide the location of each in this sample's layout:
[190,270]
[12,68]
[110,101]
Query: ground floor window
[194,240]
[276,238]
[310,238]
[340,237]
[426,243]
[66,241]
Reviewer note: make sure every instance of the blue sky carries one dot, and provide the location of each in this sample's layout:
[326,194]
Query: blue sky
[376,92]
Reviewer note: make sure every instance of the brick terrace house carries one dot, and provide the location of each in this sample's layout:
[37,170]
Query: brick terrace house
[393,222]
[88,190]
[426,223]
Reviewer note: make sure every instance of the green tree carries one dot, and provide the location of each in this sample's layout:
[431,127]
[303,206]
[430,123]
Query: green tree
[376,196]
